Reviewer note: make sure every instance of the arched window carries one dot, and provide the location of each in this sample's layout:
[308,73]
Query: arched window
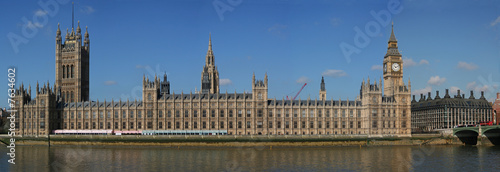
[64,71]
[72,98]
[67,71]
[71,71]
[149,96]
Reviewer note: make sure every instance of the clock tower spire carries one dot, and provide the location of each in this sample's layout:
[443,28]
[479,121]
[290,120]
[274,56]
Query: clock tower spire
[393,66]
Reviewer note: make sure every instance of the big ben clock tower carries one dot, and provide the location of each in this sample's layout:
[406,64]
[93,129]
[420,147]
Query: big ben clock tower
[393,66]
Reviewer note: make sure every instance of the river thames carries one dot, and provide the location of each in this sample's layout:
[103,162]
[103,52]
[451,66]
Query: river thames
[381,158]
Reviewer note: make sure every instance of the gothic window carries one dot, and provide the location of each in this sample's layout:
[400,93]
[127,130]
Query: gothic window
[260,95]
[67,71]
[64,71]
[72,71]
[149,96]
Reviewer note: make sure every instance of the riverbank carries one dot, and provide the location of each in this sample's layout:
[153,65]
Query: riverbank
[235,141]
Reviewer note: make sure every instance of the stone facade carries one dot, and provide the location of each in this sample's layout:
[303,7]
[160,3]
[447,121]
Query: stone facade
[372,113]
[496,109]
[72,65]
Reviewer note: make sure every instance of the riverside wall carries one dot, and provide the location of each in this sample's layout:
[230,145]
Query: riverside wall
[239,141]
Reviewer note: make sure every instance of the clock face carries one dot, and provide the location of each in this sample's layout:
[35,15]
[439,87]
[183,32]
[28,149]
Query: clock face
[395,67]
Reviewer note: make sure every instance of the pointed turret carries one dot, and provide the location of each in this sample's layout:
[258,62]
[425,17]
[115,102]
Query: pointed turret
[58,31]
[78,30]
[67,35]
[323,84]
[393,37]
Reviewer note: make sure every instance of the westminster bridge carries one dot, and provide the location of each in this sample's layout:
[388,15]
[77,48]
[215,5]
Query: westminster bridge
[470,135]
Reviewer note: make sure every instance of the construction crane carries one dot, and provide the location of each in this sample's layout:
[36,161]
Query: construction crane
[297,92]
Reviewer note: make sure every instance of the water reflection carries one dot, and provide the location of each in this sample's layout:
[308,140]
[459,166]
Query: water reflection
[395,158]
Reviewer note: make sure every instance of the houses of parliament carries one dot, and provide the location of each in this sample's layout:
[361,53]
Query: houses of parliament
[381,109]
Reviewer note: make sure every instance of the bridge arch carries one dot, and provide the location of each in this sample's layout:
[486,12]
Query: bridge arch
[493,135]
[467,136]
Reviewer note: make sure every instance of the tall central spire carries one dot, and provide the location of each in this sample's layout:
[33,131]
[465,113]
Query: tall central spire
[210,75]
[210,42]
[209,61]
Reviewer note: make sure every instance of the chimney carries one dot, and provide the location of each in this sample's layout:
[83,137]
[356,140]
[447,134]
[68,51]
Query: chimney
[437,95]
[471,95]
[498,95]
[458,93]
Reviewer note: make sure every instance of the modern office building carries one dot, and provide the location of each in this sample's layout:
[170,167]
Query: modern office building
[429,114]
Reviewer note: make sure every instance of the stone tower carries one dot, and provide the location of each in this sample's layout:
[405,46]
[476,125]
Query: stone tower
[322,91]
[259,88]
[165,85]
[393,66]
[72,65]
[210,75]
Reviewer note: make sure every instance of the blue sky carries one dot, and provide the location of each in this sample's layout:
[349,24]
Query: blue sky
[445,44]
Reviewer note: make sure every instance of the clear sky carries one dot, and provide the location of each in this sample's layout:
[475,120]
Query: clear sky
[445,44]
